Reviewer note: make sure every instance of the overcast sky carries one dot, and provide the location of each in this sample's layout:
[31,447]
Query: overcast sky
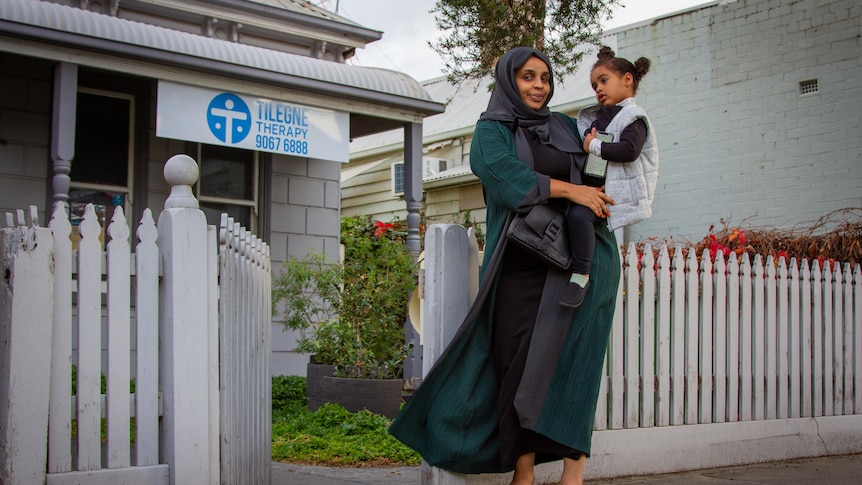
[407,27]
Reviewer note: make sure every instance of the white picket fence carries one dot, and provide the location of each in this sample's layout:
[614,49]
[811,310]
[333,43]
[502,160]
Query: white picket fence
[245,327]
[695,342]
[158,309]
[708,364]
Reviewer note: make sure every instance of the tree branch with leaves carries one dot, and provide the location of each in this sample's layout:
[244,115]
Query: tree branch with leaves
[478,32]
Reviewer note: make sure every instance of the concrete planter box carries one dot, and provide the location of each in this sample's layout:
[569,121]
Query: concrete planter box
[314,393]
[380,396]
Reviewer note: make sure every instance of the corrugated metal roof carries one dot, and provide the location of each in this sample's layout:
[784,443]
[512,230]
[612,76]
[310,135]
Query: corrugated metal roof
[295,11]
[305,7]
[76,27]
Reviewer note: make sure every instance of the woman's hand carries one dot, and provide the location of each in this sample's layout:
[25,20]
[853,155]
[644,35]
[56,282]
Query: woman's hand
[587,139]
[592,198]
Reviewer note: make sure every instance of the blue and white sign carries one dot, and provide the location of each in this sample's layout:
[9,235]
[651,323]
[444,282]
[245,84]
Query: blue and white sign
[203,115]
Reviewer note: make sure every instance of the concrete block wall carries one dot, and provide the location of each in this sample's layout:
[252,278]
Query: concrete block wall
[305,216]
[738,140]
[26,87]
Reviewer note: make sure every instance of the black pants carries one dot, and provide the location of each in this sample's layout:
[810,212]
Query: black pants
[516,304]
[582,238]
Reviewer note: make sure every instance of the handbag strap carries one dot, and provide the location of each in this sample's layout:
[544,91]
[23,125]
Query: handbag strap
[525,154]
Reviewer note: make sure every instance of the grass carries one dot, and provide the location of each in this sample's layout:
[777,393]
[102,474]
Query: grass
[330,436]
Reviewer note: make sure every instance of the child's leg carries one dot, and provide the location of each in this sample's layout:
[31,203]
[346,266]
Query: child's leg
[582,238]
[582,242]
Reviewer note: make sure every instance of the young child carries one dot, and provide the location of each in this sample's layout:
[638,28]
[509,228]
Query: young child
[632,156]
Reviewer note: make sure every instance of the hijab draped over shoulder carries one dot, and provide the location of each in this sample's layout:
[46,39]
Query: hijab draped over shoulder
[507,106]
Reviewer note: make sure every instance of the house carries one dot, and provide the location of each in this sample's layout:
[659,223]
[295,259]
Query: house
[755,104]
[95,96]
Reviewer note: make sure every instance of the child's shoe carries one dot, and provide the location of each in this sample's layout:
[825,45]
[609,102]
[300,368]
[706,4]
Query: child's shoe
[575,290]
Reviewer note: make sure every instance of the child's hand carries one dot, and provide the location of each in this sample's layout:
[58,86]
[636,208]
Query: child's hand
[590,137]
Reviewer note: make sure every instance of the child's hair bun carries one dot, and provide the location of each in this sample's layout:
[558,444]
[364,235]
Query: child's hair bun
[641,67]
[606,53]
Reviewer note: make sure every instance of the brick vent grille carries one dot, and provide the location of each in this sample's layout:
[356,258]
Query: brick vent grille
[808,87]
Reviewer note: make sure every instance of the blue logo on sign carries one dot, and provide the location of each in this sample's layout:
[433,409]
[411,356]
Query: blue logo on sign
[229,118]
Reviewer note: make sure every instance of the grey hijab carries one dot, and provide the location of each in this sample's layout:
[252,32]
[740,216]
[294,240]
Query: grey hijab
[506,105]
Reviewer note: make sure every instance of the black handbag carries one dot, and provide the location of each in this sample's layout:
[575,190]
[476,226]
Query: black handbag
[542,233]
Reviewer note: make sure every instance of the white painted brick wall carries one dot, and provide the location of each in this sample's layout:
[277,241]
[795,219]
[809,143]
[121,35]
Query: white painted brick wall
[737,141]
[306,205]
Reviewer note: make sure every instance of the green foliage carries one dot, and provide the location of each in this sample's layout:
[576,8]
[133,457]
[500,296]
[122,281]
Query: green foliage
[478,32]
[287,392]
[353,314]
[331,435]
[468,222]
[311,292]
[103,387]
[379,276]
[103,383]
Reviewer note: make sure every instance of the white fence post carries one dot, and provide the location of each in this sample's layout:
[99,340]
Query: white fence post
[446,305]
[188,444]
[446,296]
[26,318]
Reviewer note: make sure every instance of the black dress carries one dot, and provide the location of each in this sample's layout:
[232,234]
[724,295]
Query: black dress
[519,290]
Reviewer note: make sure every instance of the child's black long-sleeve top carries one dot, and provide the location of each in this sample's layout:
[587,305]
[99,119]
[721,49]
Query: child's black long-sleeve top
[626,149]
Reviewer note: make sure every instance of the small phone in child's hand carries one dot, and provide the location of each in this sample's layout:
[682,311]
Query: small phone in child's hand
[596,166]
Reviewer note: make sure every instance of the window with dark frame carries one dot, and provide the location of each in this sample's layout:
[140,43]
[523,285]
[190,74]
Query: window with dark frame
[228,184]
[398,178]
[101,171]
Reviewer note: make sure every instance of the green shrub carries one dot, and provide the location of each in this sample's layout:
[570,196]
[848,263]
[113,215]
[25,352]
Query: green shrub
[352,315]
[287,392]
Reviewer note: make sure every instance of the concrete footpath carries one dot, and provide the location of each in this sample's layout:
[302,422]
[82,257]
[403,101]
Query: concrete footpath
[832,470]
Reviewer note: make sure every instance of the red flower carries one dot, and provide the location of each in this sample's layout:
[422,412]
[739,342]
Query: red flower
[380,228]
[826,264]
[737,235]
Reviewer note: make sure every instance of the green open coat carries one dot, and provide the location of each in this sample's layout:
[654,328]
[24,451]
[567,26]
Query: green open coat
[451,420]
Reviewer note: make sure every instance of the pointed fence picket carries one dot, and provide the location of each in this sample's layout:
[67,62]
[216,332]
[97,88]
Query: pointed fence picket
[147,338]
[60,405]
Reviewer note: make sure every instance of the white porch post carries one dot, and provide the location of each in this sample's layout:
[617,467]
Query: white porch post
[188,442]
[26,320]
[63,128]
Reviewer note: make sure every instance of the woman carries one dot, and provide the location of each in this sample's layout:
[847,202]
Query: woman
[519,382]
